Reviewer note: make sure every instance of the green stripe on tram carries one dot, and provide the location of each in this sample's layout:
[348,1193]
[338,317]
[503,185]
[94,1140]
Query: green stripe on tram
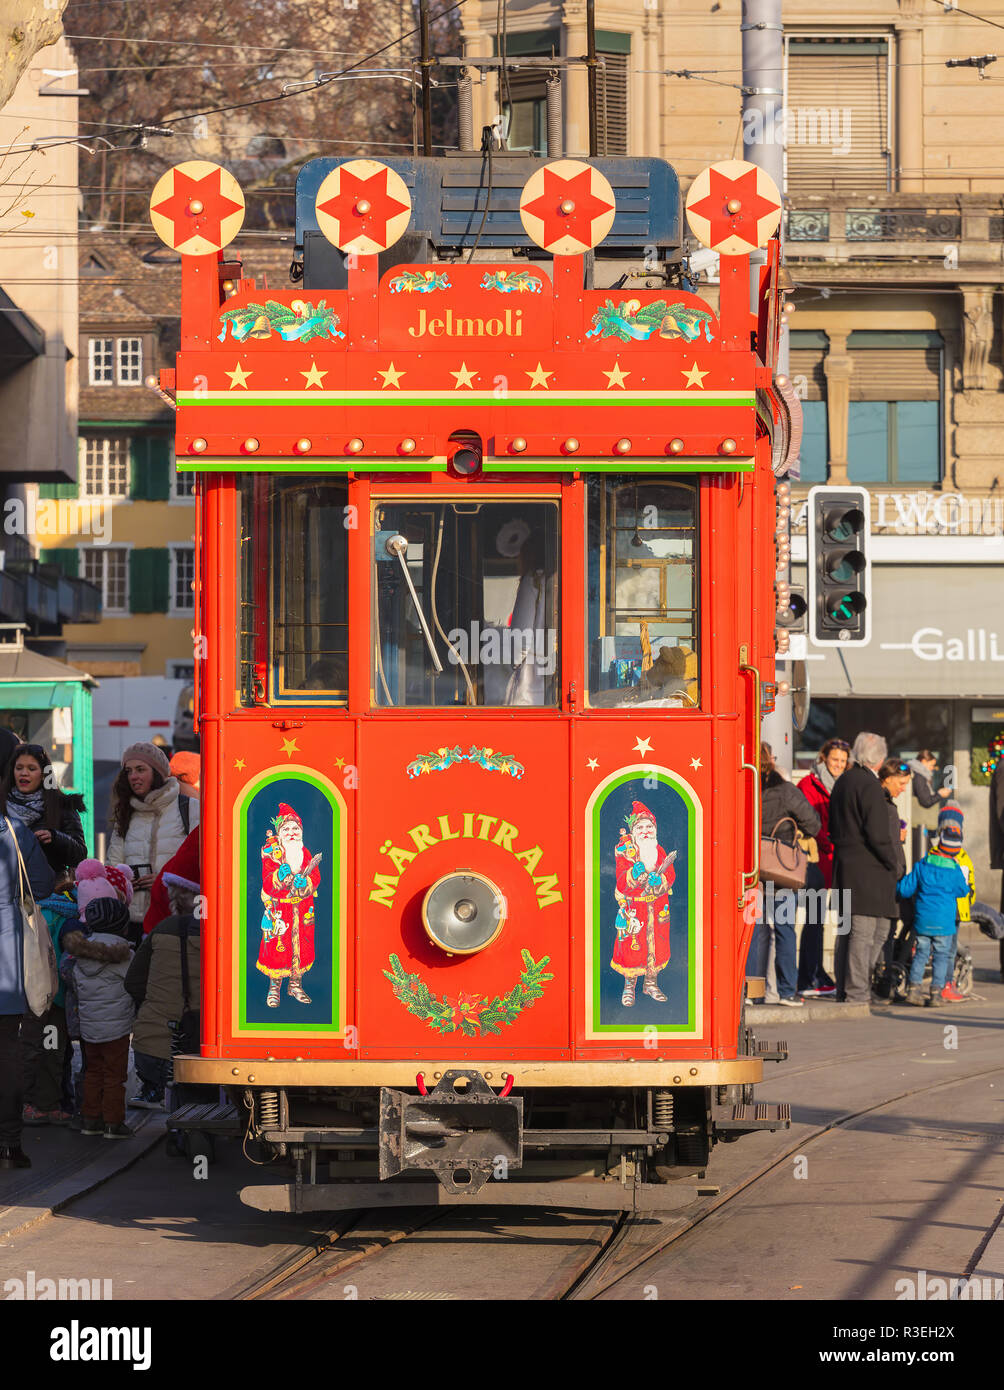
[471,397]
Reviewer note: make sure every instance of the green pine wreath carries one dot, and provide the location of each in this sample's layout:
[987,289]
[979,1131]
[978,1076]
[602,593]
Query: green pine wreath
[471,1014]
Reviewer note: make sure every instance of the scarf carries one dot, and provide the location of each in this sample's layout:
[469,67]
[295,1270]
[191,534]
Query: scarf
[825,776]
[28,807]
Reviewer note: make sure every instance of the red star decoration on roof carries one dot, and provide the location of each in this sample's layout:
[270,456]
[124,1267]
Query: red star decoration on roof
[351,222]
[724,223]
[216,208]
[578,223]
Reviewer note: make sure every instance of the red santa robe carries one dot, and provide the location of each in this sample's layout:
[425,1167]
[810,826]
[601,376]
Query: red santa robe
[287,945]
[643,898]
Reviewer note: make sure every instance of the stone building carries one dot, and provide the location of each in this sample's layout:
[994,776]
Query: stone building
[895,240]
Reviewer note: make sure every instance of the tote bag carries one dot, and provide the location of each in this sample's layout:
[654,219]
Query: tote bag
[41,978]
[780,863]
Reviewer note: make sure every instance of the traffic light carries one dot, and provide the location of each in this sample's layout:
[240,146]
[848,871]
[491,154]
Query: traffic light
[839,568]
[791,607]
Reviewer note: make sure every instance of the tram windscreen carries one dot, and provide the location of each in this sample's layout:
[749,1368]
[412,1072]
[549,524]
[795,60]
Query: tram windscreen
[465,603]
[642,580]
[294,579]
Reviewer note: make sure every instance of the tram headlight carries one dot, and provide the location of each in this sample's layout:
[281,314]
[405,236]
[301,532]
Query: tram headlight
[463,913]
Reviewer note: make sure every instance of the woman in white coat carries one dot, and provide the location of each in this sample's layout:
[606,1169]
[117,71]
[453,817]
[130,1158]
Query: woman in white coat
[149,823]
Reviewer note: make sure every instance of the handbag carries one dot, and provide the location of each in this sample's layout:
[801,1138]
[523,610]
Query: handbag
[41,978]
[780,863]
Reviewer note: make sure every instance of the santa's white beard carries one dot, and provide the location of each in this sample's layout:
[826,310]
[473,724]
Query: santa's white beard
[648,851]
[293,853]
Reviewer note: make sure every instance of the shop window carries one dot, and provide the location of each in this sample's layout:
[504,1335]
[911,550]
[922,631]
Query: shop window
[642,567]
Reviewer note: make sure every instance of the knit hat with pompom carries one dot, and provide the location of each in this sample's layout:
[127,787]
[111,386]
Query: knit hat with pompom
[92,883]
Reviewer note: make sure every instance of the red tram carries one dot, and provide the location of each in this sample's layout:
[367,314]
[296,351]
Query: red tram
[485,568]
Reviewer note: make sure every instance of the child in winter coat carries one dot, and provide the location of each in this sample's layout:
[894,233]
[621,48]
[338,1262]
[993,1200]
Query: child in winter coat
[98,965]
[44,1051]
[937,882]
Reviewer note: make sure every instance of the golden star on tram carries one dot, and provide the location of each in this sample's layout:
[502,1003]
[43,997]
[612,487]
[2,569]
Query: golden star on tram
[391,376]
[538,377]
[315,377]
[643,745]
[616,376]
[465,377]
[290,746]
[239,764]
[592,764]
[694,376]
[695,763]
[238,377]
[339,763]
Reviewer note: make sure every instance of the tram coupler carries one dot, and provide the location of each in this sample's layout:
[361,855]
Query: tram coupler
[461,1131]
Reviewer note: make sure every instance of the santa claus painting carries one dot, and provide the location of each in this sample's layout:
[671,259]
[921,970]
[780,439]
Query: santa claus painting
[645,876]
[289,881]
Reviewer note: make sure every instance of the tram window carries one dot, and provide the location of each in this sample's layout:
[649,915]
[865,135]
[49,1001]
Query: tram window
[642,582]
[294,617]
[465,603]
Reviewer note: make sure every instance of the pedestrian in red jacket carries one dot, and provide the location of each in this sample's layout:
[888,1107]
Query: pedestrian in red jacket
[185,863]
[816,788]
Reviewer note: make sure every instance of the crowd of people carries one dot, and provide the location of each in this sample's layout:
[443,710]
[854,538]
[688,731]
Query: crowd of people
[843,818]
[125,935]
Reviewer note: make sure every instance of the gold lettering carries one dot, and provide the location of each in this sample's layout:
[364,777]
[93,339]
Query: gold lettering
[485,822]
[468,328]
[384,888]
[421,838]
[547,890]
[436,327]
[468,830]
[505,835]
[519,323]
[530,859]
[444,829]
[495,326]
[421,325]
[400,858]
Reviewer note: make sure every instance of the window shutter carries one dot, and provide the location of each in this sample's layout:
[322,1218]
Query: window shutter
[159,468]
[54,491]
[67,560]
[149,580]
[887,370]
[837,109]
[139,470]
[612,104]
[805,364]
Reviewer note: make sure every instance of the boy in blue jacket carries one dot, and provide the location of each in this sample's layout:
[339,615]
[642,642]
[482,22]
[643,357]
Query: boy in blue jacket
[937,882]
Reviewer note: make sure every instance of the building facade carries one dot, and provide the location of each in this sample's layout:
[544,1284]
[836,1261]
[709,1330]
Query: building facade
[126,525]
[894,229]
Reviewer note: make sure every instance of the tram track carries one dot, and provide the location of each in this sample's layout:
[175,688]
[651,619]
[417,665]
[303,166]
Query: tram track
[603,1254]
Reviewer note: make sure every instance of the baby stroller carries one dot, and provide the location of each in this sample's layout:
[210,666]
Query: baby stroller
[891,977]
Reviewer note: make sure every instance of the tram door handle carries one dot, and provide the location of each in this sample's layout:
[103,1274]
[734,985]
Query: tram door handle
[751,877]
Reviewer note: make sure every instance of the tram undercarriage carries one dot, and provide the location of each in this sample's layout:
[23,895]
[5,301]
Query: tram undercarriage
[466,1140]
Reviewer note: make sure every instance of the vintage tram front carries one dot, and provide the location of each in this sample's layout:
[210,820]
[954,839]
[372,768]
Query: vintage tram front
[485,568]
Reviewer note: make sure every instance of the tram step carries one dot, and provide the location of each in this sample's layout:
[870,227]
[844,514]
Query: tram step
[759,1115]
[771,1052]
[210,1119]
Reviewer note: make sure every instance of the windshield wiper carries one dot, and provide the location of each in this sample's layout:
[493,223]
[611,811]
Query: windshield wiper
[398,545]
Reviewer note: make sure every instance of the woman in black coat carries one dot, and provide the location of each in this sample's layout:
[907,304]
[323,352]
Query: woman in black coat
[781,804]
[29,794]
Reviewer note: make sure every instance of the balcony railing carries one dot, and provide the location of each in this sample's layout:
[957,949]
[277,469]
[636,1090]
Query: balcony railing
[896,224]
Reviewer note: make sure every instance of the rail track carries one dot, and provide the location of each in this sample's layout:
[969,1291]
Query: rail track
[602,1250]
